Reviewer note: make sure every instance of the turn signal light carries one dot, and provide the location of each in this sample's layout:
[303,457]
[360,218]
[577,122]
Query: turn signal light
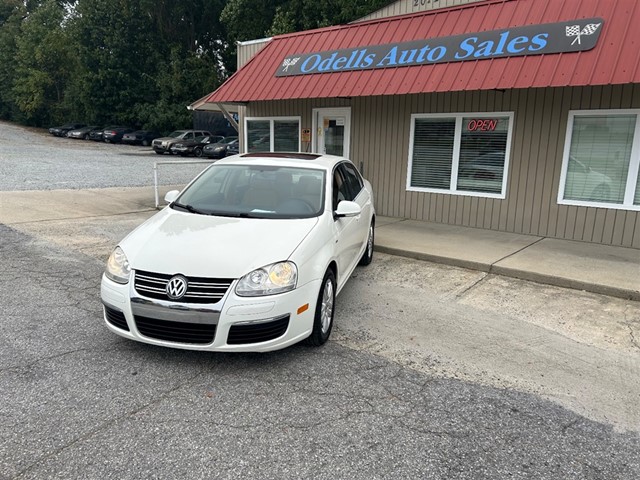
[303,308]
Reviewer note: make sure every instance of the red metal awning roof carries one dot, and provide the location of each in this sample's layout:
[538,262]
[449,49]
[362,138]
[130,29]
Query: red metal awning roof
[614,60]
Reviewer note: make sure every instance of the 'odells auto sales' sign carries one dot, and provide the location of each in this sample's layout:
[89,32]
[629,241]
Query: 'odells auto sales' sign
[572,36]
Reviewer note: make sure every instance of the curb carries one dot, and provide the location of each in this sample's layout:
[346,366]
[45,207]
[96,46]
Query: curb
[542,278]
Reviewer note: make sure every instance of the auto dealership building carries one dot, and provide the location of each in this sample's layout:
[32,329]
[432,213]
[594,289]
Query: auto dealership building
[510,115]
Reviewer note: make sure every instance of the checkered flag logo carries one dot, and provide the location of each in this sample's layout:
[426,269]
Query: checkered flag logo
[575,31]
[289,62]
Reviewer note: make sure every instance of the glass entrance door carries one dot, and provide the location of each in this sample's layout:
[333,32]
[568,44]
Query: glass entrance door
[332,131]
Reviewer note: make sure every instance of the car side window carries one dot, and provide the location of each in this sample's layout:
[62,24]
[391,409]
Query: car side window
[354,181]
[340,189]
[188,136]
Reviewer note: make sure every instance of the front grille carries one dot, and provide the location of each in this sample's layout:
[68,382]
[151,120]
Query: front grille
[181,332]
[258,332]
[199,290]
[116,318]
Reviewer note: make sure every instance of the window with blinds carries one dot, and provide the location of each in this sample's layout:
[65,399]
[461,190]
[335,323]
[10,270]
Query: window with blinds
[277,134]
[601,161]
[463,154]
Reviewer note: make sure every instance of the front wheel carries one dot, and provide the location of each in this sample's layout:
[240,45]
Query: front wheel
[325,307]
[197,152]
[367,256]
[145,143]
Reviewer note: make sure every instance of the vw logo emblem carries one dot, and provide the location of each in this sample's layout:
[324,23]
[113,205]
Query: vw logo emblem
[176,287]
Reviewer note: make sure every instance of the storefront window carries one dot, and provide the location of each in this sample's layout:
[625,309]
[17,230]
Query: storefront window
[285,135]
[258,136]
[600,167]
[463,154]
[279,134]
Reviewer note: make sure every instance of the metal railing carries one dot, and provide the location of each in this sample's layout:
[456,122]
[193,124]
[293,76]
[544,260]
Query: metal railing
[171,162]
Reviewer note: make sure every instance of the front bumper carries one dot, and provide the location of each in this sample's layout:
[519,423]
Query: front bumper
[213,153]
[181,150]
[161,148]
[230,325]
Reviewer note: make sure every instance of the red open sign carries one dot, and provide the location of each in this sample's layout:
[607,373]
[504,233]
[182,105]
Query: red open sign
[482,124]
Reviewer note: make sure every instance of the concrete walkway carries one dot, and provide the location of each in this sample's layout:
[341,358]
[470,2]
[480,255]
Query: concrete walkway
[596,268]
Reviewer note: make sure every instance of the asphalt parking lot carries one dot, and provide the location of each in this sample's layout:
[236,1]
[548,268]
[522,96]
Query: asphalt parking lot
[432,372]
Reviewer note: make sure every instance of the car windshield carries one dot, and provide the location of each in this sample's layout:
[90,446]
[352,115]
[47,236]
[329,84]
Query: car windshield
[177,133]
[228,139]
[255,191]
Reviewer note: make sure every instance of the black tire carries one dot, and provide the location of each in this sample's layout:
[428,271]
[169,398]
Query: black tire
[86,136]
[197,152]
[159,153]
[367,256]
[325,310]
[145,143]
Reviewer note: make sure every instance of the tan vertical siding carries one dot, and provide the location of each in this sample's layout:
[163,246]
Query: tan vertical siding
[246,50]
[380,130]
[402,7]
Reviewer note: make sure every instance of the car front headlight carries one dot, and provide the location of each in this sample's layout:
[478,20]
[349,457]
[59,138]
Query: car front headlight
[118,268]
[275,278]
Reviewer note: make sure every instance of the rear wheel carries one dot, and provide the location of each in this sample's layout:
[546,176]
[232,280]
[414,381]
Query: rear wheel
[145,143]
[367,256]
[325,307]
[197,152]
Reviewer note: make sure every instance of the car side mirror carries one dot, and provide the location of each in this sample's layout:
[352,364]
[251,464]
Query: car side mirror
[348,209]
[171,196]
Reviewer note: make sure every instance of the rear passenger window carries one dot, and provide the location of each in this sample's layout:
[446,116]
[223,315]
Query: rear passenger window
[340,189]
[352,178]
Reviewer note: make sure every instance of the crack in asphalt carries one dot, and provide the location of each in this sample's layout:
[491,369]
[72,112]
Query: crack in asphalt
[627,323]
[105,426]
[473,285]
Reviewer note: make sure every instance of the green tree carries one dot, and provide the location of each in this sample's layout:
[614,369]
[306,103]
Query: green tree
[253,19]
[44,64]
[12,13]
[118,52]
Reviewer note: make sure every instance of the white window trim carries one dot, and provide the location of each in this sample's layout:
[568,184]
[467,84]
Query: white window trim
[634,163]
[456,154]
[271,130]
[331,111]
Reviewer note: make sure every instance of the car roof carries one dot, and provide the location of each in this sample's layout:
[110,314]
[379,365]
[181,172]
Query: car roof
[285,159]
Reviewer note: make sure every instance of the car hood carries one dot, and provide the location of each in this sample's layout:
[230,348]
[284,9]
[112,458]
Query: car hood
[206,246]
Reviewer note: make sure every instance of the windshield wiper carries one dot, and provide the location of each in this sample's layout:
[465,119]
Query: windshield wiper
[234,214]
[189,208]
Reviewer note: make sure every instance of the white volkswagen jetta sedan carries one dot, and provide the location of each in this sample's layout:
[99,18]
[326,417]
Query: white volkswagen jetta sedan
[248,257]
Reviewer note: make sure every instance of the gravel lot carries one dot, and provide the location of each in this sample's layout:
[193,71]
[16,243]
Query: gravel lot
[65,163]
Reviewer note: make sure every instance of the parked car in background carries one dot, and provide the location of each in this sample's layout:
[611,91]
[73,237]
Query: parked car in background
[193,147]
[233,148]
[163,145]
[83,133]
[249,257]
[219,150]
[140,137]
[62,130]
[96,135]
[114,135]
